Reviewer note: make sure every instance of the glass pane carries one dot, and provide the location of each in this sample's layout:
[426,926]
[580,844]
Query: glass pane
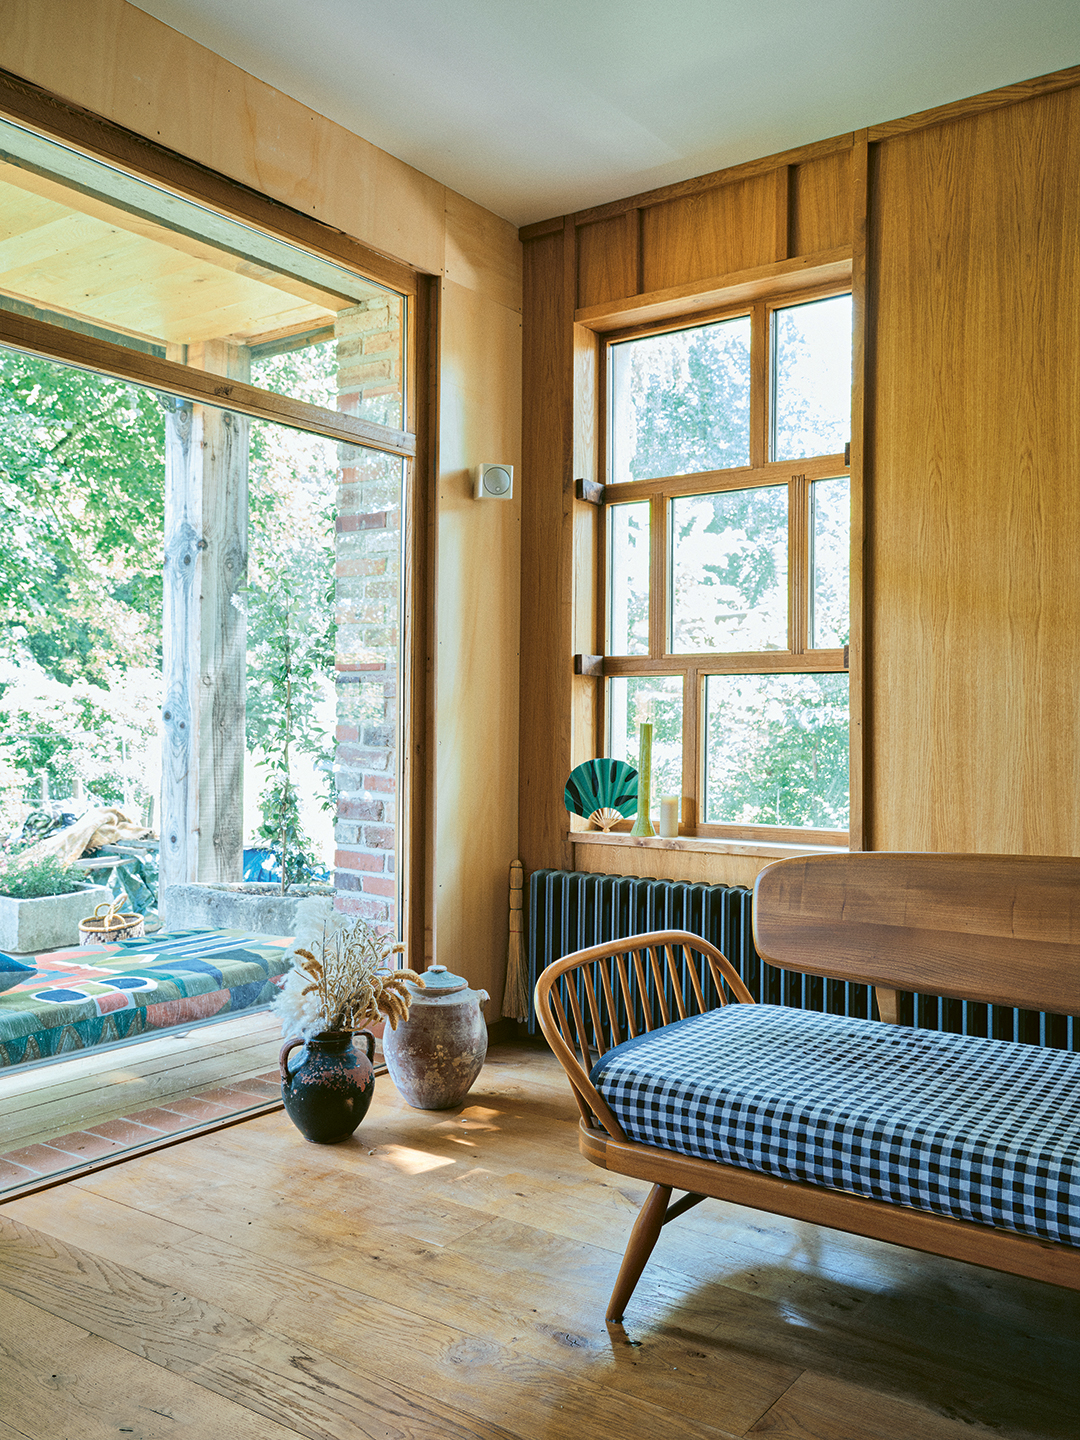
[830,539]
[89,248]
[628,579]
[812,378]
[91,471]
[323,598]
[729,571]
[681,402]
[634,698]
[777,750]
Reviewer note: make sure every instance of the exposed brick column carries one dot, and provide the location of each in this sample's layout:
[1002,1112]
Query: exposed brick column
[368,618]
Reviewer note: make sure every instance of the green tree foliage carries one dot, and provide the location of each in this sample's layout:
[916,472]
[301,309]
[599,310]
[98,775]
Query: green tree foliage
[691,400]
[290,646]
[81,507]
[778,750]
[291,632]
[82,479]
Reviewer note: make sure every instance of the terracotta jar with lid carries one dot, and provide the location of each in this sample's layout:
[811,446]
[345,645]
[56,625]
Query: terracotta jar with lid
[434,1056]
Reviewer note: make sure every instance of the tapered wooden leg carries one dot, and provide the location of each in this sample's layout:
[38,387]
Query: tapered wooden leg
[639,1247]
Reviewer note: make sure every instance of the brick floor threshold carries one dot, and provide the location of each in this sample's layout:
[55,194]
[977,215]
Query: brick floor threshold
[62,1156]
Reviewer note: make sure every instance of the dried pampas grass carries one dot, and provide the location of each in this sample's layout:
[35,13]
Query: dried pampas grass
[341,979]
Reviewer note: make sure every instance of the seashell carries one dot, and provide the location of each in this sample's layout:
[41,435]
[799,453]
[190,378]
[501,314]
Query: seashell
[605,818]
[602,785]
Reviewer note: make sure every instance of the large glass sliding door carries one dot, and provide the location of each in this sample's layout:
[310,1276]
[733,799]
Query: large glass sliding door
[204,460]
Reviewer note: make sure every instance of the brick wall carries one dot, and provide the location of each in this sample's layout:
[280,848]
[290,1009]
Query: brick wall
[368,617]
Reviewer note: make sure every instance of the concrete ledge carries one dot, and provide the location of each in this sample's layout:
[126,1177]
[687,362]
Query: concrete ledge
[27,926]
[226,907]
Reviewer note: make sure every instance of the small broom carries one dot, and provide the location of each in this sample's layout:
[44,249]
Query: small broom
[515,1005]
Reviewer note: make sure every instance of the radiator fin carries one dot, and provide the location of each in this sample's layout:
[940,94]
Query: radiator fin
[571,909]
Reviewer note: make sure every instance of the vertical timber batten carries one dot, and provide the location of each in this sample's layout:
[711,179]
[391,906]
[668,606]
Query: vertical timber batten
[204,641]
[180,604]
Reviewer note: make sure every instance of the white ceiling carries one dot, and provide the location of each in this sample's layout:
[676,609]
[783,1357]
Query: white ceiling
[540,109]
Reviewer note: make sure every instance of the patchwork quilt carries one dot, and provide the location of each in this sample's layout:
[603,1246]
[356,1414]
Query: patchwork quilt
[984,1130]
[80,998]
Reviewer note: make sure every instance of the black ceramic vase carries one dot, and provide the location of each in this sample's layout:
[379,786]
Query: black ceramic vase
[327,1086]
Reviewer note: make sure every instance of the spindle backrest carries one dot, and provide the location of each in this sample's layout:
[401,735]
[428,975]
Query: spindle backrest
[592,1000]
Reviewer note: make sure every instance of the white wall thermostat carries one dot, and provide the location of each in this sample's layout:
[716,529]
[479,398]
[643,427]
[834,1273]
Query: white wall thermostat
[494,482]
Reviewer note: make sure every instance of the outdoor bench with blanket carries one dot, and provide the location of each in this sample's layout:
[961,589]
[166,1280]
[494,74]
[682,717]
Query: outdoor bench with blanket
[72,1000]
[953,1144]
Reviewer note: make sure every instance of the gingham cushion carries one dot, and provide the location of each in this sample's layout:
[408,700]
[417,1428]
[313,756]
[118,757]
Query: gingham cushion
[983,1130]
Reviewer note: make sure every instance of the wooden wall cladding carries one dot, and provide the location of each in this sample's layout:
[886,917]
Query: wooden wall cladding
[820,204]
[966,275]
[734,226]
[975,568]
[693,237]
[608,259]
[547,560]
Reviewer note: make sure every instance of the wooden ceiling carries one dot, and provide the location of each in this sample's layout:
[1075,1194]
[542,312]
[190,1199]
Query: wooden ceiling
[79,256]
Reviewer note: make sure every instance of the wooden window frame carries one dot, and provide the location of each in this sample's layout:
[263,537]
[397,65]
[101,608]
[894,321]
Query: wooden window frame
[798,476]
[38,110]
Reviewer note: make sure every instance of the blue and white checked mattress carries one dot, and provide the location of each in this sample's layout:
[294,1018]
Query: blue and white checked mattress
[983,1130]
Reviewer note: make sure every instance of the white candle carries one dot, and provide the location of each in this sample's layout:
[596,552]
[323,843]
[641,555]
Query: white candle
[669,814]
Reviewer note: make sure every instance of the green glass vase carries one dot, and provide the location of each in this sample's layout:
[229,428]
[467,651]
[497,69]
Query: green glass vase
[642,824]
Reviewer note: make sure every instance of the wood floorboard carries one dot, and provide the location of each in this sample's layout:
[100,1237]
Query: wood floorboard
[7,1433]
[453,1283]
[64,1383]
[511,1305]
[359,1354]
[818,1316]
[789,1276]
[820,1408]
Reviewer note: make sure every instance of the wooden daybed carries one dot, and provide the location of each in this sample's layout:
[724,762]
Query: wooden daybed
[998,929]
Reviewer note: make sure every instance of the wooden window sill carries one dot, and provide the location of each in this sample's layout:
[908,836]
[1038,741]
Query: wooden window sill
[774,849]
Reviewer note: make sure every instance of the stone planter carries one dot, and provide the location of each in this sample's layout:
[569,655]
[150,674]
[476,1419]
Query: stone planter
[27,926]
[262,909]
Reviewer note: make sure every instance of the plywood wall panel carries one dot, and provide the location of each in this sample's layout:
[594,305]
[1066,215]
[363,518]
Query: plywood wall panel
[820,204]
[608,259]
[697,236]
[974,646]
[121,63]
[482,251]
[478,589]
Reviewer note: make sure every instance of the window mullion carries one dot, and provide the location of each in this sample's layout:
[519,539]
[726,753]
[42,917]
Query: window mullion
[659,625]
[693,755]
[798,564]
[760,397]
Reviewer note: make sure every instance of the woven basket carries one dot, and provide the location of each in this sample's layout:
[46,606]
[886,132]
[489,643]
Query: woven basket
[108,924]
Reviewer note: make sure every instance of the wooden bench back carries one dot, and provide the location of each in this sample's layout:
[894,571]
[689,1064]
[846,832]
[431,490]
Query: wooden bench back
[998,928]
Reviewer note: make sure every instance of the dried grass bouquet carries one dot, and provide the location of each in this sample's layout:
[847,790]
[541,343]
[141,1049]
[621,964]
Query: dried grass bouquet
[341,980]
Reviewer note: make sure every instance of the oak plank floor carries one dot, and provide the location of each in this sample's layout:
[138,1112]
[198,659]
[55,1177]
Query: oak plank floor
[446,1274]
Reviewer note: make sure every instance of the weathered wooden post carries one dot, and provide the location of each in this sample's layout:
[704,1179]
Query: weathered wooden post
[204,638]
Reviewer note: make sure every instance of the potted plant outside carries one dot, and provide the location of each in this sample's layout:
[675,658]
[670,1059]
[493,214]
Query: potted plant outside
[41,904]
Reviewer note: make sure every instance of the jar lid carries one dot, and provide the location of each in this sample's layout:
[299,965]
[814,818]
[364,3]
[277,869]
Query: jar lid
[438,980]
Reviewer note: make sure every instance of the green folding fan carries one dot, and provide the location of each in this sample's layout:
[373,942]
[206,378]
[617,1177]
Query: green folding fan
[603,790]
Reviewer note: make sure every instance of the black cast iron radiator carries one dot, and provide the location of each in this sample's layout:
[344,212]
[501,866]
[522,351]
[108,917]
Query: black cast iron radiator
[569,910]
